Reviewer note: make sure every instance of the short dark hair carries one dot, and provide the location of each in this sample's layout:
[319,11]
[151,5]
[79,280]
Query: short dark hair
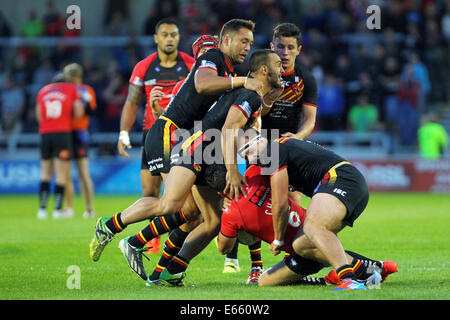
[259,57]
[287,30]
[215,176]
[165,21]
[234,25]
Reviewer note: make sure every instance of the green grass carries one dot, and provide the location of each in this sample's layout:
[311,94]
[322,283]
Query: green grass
[411,229]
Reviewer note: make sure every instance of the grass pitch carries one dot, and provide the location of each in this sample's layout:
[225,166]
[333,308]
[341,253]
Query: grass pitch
[37,256]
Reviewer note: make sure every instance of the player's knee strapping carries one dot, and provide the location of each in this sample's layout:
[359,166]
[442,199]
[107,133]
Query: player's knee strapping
[302,265]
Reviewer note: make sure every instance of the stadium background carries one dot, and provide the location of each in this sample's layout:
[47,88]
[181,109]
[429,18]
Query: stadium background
[348,60]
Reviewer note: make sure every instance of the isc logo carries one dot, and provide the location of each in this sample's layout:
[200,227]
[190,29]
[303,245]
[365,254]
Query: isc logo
[339,191]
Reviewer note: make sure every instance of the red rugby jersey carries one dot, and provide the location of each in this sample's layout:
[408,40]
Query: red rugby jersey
[55,103]
[254,212]
[149,73]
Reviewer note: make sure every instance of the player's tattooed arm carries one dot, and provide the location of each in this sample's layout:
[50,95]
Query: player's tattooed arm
[128,117]
[134,94]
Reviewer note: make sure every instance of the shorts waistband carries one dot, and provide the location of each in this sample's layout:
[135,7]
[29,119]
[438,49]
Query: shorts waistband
[338,165]
[332,173]
[168,120]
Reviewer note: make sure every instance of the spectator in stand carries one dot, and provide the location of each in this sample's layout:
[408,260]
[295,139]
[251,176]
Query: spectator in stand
[33,27]
[118,26]
[3,76]
[388,80]
[332,105]
[20,71]
[60,56]
[42,75]
[12,106]
[151,20]
[433,139]
[314,18]
[363,116]
[5,29]
[408,100]
[114,96]
[53,21]
[445,23]
[436,58]
[420,71]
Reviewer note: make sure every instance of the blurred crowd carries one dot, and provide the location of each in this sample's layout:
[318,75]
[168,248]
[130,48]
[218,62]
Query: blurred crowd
[382,79]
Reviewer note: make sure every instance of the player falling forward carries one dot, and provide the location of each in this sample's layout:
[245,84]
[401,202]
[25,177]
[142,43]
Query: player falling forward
[293,113]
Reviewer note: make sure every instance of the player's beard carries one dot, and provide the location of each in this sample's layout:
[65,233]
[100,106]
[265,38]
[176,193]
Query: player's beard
[168,52]
[274,79]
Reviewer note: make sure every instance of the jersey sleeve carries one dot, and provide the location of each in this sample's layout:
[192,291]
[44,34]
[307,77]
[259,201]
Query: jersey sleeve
[138,74]
[209,60]
[310,92]
[248,104]
[231,221]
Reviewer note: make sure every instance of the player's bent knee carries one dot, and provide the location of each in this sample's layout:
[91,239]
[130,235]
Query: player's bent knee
[169,207]
[311,227]
[264,280]
[303,266]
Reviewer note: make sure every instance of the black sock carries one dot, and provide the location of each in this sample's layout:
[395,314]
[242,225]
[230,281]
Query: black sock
[157,227]
[361,264]
[255,254]
[345,271]
[234,252]
[115,224]
[171,247]
[59,196]
[44,191]
[177,264]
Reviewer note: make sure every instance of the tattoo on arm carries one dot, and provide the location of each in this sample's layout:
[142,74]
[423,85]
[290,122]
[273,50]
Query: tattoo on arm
[134,94]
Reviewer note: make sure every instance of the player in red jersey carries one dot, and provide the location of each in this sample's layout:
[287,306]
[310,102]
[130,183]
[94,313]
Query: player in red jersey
[156,76]
[57,103]
[80,141]
[253,214]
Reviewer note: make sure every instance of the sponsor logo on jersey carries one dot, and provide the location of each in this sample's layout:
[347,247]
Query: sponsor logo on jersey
[207,64]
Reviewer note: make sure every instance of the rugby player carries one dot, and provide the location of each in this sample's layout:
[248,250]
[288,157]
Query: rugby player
[338,193]
[56,104]
[210,77]
[80,142]
[156,76]
[177,236]
[294,112]
[254,215]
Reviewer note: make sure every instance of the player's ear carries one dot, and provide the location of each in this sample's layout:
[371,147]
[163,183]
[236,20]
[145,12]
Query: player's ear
[227,39]
[272,46]
[299,49]
[264,69]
